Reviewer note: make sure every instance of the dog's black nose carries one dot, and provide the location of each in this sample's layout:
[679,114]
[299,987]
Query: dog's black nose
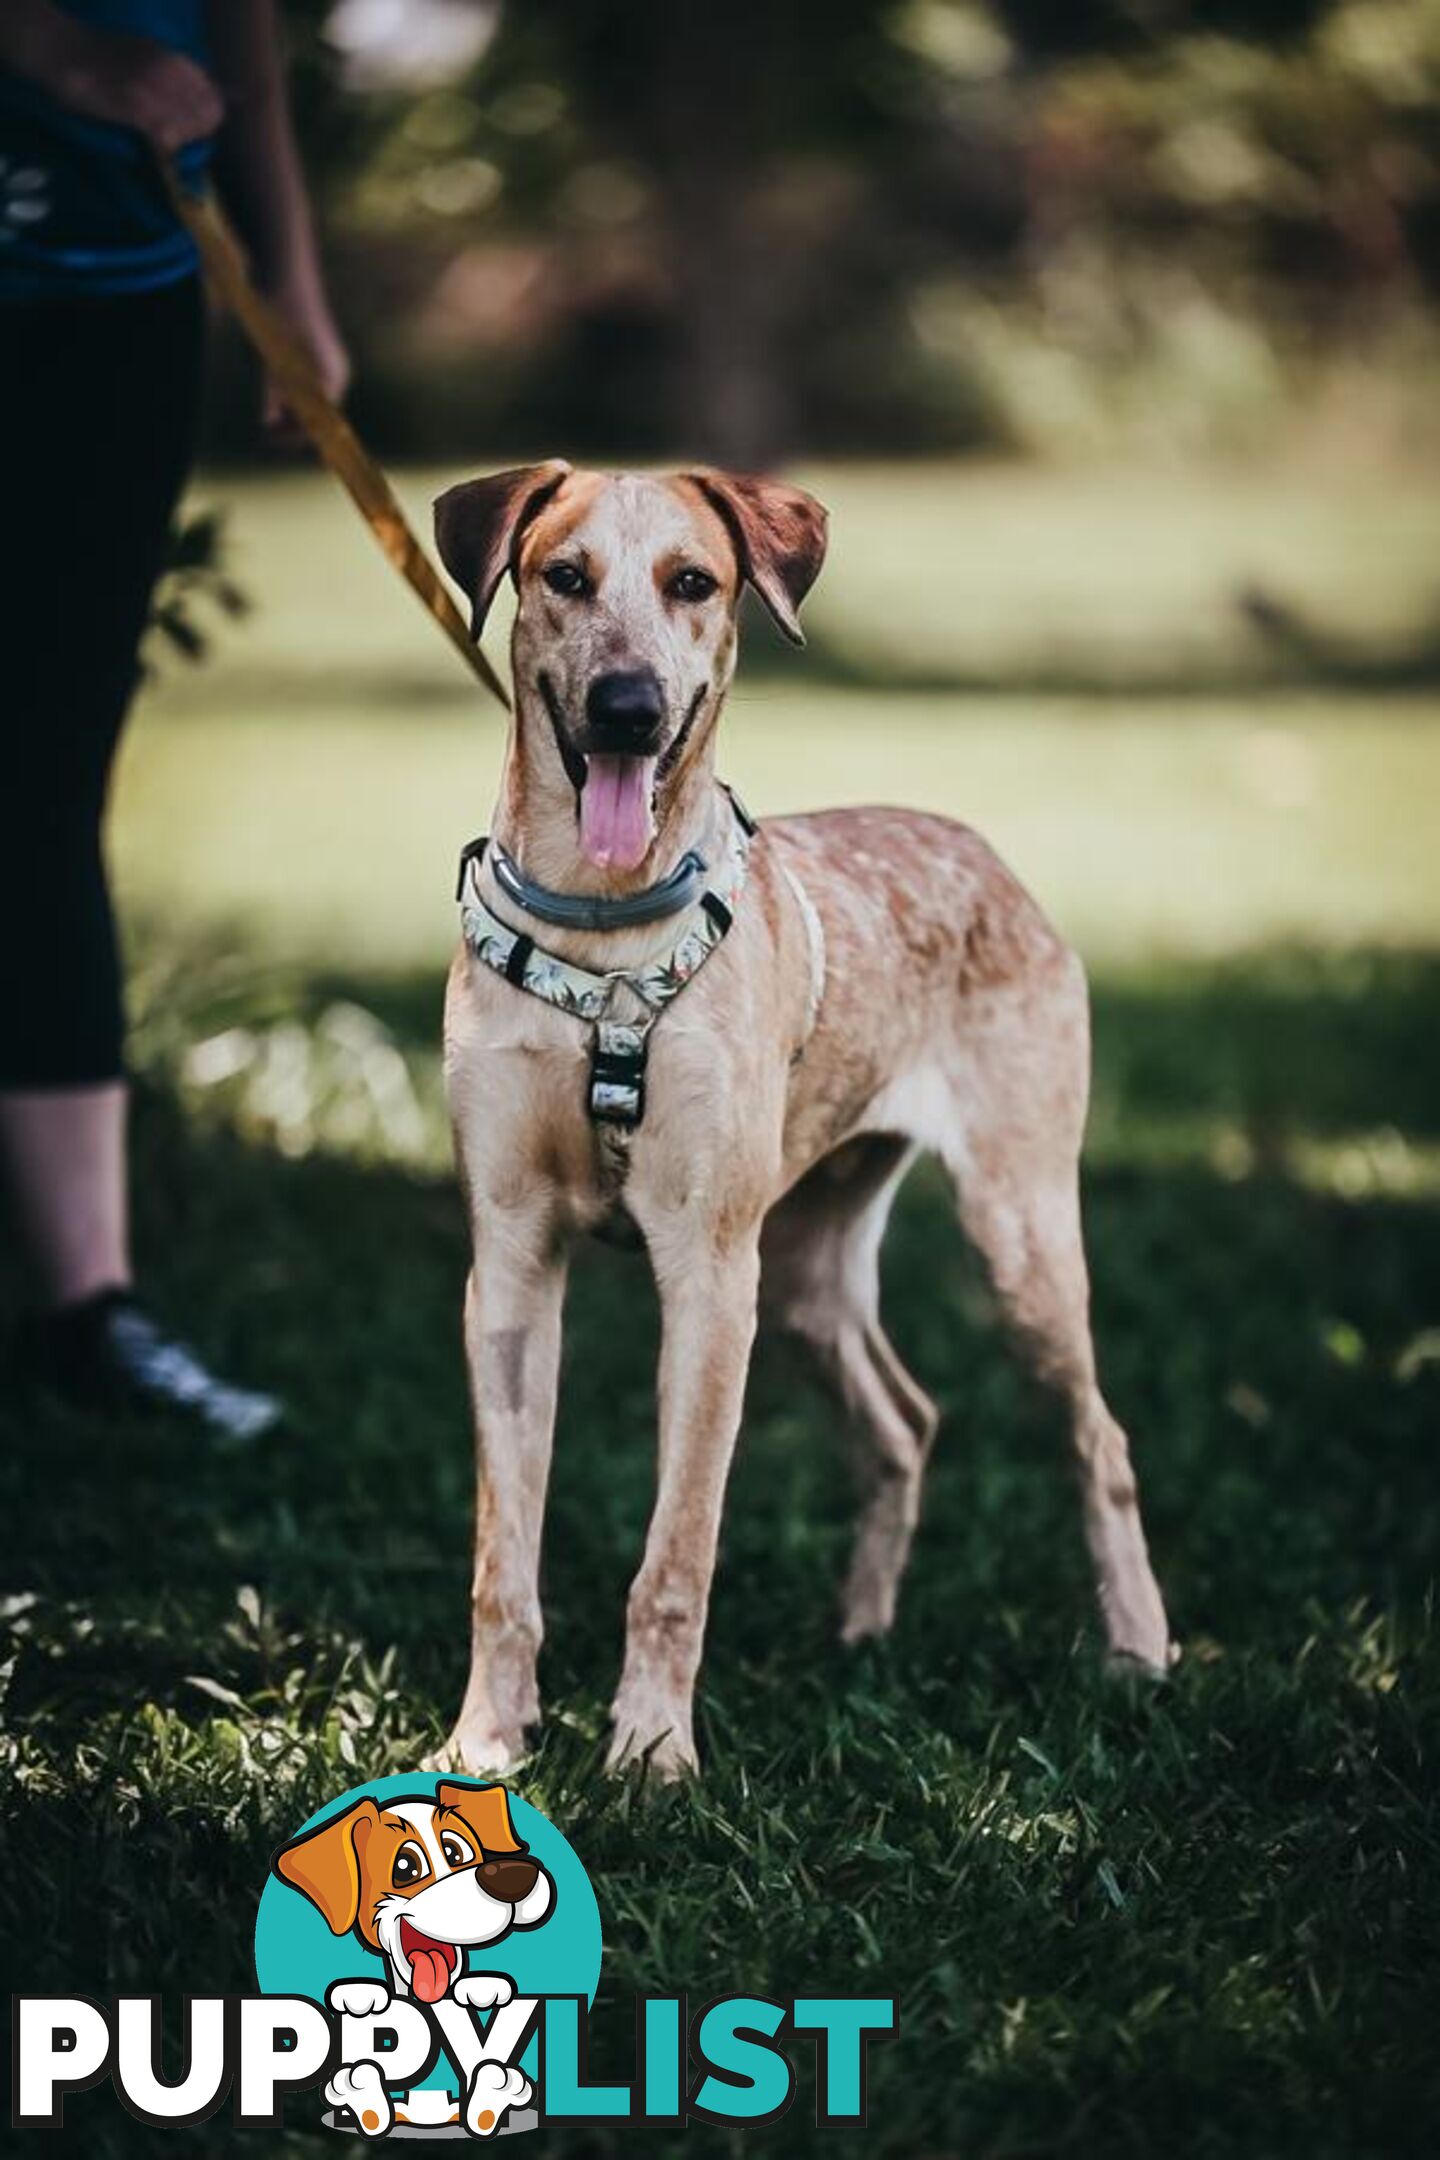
[508,1880]
[624,711]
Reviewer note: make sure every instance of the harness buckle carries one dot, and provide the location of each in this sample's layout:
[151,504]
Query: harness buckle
[616,1093]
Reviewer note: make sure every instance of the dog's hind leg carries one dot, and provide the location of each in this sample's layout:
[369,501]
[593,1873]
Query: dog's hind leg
[894,1423]
[820,1282]
[1014,1151]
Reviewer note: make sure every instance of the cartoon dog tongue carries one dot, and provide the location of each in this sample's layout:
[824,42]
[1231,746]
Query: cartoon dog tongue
[615,811]
[429,1972]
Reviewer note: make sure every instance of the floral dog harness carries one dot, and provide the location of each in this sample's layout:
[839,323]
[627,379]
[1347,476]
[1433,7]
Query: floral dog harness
[615,1094]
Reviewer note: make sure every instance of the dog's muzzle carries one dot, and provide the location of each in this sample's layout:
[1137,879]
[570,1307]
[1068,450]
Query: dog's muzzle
[611,761]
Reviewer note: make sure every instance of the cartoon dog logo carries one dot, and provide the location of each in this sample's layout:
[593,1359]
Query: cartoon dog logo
[419,1881]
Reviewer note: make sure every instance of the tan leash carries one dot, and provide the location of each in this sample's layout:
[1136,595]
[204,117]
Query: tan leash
[294,373]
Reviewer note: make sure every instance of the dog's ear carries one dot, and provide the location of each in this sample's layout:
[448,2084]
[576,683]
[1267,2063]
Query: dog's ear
[324,1864]
[479,523]
[485,1812]
[779,534]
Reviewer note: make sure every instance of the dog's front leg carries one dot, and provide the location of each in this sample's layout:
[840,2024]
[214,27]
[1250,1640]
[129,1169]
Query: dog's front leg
[513,1307]
[708,1325]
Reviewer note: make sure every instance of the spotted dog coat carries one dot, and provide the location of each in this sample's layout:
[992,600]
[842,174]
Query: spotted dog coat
[887,987]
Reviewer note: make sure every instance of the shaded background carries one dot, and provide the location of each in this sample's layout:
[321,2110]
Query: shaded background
[1146,226]
[1108,333]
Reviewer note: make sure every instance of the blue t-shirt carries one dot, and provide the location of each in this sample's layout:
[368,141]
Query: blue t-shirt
[82,208]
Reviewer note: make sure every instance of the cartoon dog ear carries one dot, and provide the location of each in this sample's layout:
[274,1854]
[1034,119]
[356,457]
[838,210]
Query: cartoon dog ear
[779,534]
[478,526]
[485,1812]
[324,1864]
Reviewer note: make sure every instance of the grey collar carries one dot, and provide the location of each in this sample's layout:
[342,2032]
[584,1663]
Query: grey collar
[592,911]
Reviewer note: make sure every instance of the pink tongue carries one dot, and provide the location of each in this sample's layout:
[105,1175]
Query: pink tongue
[615,811]
[429,1971]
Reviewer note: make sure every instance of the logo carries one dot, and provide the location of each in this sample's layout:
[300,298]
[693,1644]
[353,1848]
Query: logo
[432,1915]
[427,1950]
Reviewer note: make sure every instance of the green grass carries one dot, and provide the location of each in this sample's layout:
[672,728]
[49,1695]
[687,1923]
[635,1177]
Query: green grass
[1204,1920]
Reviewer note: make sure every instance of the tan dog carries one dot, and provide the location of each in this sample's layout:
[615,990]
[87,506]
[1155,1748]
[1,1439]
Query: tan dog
[885,986]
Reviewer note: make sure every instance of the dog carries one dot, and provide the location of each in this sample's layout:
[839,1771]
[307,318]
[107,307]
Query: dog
[418,1881]
[737,1063]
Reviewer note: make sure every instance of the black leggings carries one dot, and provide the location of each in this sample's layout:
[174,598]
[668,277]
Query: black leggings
[98,401]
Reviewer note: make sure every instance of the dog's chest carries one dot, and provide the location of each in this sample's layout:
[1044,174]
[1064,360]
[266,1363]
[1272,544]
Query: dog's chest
[518,1080]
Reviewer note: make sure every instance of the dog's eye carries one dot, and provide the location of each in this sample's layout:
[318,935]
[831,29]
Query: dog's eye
[457,1852]
[408,1867]
[692,583]
[567,579]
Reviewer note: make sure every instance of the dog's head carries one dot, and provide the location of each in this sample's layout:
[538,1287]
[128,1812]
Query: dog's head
[420,1879]
[624,641]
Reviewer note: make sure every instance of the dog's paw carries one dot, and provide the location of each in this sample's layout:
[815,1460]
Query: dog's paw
[866,1619]
[483,1991]
[494,2090]
[360,2088]
[1131,1665]
[662,1749]
[472,1752]
[1137,1632]
[358,1998]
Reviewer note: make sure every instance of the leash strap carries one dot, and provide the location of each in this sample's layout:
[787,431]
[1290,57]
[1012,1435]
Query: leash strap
[334,439]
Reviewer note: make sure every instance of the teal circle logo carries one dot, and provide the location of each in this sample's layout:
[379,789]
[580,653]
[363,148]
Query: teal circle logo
[430,1890]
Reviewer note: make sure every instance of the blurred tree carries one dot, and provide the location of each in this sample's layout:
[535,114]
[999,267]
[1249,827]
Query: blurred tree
[883,224]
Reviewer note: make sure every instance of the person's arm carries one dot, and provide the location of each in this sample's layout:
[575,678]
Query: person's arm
[108,75]
[260,178]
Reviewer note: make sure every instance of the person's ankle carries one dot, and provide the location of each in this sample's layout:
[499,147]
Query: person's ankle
[89,1294]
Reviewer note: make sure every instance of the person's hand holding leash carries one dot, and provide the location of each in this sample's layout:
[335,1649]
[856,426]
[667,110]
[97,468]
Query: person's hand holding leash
[258,170]
[304,309]
[133,82]
[170,100]
[113,76]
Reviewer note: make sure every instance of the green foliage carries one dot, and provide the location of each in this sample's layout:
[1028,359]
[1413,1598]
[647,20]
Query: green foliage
[890,224]
[195,579]
[1198,1920]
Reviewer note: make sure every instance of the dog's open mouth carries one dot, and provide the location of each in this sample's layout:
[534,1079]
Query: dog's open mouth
[617,819]
[431,1963]
[614,795]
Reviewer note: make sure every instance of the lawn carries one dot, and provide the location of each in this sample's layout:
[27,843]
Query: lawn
[1202,720]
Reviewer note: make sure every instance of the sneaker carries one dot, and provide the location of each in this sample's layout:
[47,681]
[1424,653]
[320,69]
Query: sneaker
[107,1354]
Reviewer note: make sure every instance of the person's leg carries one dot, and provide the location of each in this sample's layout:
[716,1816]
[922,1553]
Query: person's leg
[97,414]
[64,1157]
